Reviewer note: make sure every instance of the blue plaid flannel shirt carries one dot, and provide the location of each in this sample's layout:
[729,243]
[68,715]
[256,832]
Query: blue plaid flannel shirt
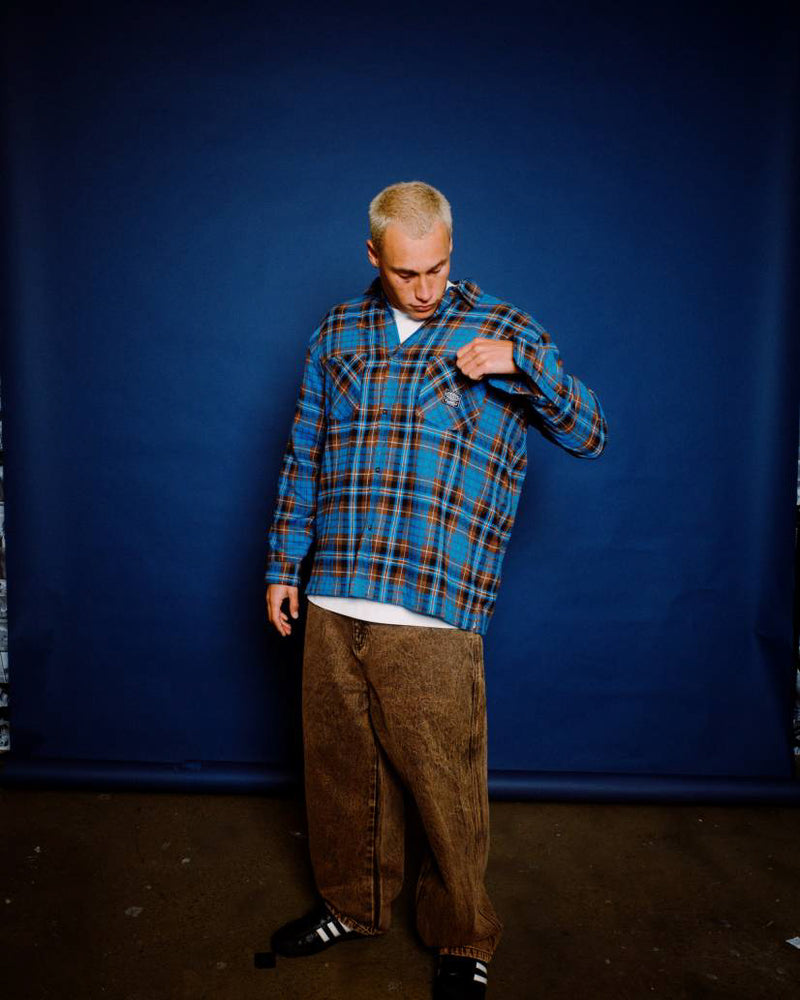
[405,472]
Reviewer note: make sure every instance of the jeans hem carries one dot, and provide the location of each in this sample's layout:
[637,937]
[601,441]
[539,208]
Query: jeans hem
[466,951]
[355,925]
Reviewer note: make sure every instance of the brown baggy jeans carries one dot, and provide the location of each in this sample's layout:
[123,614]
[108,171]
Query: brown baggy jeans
[387,706]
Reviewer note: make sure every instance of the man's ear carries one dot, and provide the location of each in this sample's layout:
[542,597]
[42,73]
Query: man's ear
[372,253]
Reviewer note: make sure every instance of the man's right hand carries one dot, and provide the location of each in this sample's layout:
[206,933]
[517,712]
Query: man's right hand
[276,595]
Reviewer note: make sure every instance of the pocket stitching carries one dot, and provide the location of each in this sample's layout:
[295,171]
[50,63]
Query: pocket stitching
[440,378]
[346,374]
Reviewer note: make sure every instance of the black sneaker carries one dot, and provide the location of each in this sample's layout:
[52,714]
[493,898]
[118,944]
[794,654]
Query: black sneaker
[312,933]
[460,978]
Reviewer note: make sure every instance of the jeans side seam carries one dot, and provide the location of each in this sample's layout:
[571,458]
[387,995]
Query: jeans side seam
[376,886]
[473,739]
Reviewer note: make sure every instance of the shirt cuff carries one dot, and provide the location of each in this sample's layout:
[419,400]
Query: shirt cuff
[280,570]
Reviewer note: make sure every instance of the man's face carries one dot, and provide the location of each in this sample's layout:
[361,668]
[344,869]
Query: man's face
[413,272]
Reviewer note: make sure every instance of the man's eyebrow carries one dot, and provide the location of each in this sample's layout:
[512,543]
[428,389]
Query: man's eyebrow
[406,270]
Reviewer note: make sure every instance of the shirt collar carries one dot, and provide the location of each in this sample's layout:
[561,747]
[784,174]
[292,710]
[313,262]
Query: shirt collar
[465,289]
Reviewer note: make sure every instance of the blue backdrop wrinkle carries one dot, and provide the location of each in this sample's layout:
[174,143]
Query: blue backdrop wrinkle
[185,192]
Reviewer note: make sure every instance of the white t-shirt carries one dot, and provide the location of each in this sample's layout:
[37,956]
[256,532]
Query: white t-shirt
[381,611]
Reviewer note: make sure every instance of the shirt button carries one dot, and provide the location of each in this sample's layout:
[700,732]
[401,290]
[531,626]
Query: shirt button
[384,411]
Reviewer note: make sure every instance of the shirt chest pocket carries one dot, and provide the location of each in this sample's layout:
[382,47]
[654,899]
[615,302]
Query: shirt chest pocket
[449,399]
[345,384]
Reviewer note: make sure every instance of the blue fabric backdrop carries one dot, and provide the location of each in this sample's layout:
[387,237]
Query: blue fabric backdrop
[185,195]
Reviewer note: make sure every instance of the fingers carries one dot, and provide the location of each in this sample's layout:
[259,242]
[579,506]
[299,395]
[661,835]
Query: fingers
[482,356]
[471,368]
[276,594]
[471,345]
[471,358]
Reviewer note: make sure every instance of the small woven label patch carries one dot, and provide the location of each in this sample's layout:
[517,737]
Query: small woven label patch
[452,398]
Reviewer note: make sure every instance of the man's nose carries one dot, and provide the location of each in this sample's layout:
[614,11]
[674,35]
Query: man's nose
[423,290]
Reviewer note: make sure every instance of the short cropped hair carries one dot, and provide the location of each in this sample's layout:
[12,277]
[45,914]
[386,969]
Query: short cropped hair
[415,205]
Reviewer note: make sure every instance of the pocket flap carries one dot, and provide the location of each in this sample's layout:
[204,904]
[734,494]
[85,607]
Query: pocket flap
[346,373]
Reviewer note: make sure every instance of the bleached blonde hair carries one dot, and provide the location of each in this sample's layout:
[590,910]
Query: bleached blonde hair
[415,205]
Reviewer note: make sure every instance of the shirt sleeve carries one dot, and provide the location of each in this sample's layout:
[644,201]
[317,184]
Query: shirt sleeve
[565,409]
[293,525]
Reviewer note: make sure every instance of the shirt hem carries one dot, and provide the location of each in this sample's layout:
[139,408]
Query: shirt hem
[354,586]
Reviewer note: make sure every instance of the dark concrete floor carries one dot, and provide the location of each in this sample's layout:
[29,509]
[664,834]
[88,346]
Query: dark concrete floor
[140,896]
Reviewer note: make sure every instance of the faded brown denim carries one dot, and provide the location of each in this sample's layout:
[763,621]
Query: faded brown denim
[383,705]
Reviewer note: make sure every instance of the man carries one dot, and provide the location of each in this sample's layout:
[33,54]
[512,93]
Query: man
[404,464]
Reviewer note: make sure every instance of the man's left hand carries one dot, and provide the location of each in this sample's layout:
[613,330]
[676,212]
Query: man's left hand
[485,356]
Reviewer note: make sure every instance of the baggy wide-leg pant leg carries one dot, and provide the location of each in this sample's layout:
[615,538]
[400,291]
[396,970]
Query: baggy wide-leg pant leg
[417,696]
[428,706]
[354,802]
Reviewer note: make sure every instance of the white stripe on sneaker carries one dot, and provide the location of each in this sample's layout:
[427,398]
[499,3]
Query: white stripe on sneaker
[478,978]
[480,966]
[334,929]
[323,935]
